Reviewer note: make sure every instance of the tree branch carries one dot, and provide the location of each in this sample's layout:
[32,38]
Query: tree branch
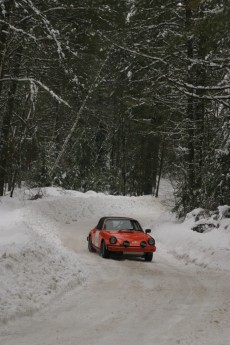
[31,80]
[78,115]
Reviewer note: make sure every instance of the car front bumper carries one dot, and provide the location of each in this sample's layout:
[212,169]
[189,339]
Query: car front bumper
[131,249]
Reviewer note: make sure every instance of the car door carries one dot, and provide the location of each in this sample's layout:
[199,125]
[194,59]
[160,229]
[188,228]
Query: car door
[95,237]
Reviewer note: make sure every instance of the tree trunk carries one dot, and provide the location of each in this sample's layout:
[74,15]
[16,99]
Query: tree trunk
[190,102]
[8,4]
[4,135]
[200,108]
[160,170]
[150,163]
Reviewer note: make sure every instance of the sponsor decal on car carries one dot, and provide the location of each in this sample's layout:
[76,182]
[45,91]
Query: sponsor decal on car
[97,238]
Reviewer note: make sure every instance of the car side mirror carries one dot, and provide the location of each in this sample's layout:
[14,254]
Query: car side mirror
[147,231]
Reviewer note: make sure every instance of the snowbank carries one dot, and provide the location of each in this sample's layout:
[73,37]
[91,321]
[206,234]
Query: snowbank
[210,248]
[34,267]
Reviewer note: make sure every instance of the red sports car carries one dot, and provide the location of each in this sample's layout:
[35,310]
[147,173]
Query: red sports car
[120,235]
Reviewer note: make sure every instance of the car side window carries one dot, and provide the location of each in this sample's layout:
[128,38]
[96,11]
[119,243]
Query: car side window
[136,226]
[100,224]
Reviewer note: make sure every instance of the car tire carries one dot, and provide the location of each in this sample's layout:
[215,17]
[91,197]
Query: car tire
[104,251]
[90,245]
[148,256]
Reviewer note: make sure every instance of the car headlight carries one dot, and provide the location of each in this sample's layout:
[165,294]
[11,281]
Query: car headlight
[143,244]
[113,240]
[151,241]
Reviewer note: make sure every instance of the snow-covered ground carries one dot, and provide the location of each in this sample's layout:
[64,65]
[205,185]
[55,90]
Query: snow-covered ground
[44,261]
[34,266]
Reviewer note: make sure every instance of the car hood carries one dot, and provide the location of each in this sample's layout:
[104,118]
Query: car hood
[123,235]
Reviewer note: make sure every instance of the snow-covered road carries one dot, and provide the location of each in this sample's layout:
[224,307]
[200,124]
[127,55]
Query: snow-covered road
[131,302]
[167,301]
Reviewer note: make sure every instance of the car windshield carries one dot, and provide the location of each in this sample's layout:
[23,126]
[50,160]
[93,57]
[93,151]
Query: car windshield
[122,224]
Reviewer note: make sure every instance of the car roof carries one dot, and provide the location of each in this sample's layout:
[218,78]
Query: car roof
[102,220]
[116,217]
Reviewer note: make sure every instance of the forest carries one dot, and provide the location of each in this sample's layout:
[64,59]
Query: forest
[111,95]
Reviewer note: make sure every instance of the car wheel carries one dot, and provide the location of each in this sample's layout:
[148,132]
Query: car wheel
[103,250]
[90,245]
[148,256]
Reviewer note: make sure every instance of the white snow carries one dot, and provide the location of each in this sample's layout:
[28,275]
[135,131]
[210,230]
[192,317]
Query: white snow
[43,244]
[209,249]
[34,266]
